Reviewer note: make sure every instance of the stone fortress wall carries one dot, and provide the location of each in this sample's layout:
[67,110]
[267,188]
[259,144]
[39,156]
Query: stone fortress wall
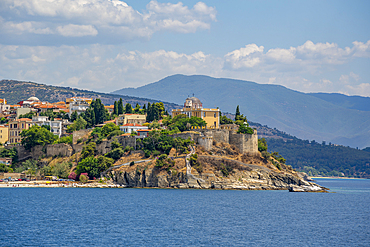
[245,143]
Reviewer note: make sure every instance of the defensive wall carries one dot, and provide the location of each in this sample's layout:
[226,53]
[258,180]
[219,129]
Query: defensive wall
[245,143]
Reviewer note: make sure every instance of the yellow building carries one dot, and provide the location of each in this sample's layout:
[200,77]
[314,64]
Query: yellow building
[16,127]
[74,99]
[194,108]
[4,131]
[131,119]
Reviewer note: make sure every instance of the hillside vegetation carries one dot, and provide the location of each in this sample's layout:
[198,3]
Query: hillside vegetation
[306,116]
[316,159]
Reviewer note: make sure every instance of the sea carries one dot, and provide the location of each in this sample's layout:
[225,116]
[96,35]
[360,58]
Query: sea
[174,217]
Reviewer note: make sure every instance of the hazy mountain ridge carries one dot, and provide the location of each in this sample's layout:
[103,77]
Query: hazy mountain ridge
[14,91]
[306,116]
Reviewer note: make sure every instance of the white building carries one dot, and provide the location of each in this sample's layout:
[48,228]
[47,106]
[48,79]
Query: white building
[78,105]
[56,126]
[129,127]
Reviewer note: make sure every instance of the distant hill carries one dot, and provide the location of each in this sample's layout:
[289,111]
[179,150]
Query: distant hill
[349,102]
[306,116]
[16,91]
[316,159]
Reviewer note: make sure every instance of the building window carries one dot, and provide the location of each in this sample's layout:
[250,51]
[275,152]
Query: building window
[11,126]
[204,114]
[215,115]
[22,125]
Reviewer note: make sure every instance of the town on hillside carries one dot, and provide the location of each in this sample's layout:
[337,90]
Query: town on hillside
[33,124]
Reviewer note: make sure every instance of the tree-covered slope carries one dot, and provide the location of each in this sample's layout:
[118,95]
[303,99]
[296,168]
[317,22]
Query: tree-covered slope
[349,102]
[300,114]
[15,91]
[324,159]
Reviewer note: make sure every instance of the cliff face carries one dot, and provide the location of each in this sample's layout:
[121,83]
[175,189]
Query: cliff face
[217,173]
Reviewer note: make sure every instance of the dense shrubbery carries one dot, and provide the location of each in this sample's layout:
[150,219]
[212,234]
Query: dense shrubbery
[160,142]
[37,136]
[65,139]
[182,122]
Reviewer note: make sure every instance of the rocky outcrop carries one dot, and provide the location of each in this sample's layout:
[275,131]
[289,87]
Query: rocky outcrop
[253,177]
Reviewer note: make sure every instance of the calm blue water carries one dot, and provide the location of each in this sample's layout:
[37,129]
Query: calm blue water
[161,217]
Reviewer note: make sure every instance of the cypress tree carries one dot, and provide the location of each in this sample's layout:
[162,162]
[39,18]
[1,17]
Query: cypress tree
[115,110]
[237,113]
[144,108]
[128,108]
[120,106]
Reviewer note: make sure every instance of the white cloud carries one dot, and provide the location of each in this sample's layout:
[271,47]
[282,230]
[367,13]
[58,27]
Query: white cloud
[246,57]
[110,67]
[109,21]
[72,30]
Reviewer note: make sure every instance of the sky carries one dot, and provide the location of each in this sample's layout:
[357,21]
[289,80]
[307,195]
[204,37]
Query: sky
[106,45]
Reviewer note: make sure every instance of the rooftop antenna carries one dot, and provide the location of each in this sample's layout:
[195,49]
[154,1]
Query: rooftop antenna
[193,94]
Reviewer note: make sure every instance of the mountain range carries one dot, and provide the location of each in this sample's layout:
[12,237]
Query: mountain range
[335,118]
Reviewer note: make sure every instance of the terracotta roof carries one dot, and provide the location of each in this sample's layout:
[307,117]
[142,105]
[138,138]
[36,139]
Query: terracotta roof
[109,106]
[110,121]
[24,119]
[146,130]
[133,114]
[133,124]
[126,134]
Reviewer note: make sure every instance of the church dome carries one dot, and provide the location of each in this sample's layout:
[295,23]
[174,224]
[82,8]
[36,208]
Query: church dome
[193,102]
[33,99]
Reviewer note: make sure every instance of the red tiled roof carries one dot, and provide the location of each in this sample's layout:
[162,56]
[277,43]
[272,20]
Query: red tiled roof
[24,119]
[144,130]
[110,121]
[133,124]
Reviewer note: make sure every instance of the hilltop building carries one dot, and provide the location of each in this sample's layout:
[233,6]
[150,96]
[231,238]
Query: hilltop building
[78,104]
[131,119]
[193,107]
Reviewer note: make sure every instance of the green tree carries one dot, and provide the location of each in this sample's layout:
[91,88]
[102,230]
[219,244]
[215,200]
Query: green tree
[262,145]
[89,117]
[225,120]
[120,106]
[108,128]
[61,170]
[74,116]
[237,113]
[137,109]
[115,109]
[99,111]
[128,108]
[10,153]
[37,136]
[79,124]
[245,130]
[88,150]
[94,166]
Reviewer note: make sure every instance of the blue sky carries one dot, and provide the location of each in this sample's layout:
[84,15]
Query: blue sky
[309,46]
